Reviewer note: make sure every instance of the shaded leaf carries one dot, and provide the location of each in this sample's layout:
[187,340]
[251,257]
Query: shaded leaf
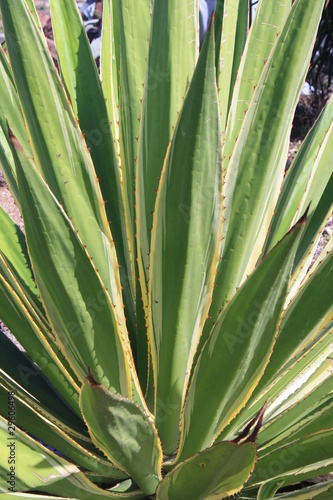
[78,307]
[238,349]
[215,473]
[185,244]
[124,433]
[44,471]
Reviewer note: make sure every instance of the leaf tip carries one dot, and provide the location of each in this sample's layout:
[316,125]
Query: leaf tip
[12,138]
[253,436]
[246,436]
[303,219]
[91,379]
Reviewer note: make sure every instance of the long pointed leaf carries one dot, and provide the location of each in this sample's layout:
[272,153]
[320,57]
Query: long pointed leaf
[61,156]
[10,112]
[34,340]
[300,177]
[28,380]
[300,367]
[6,164]
[185,243]
[238,349]
[296,419]
[173,31]
[10,108]
[85,92]
[218,22]
[133,45]
[77,304]
[323,206]
[298,326]
[55,474]
[234,30]
[258,160]
[302,459]
[167,80]
[267,25]
[13,247]
[109,72]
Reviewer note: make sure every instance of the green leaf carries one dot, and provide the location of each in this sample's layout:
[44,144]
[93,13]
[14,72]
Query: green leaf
[297,461]
[322,419]
[303,320]
[47,431]
[131,41]
[10,112]
[15,268]
[32,8]
[218,472]
[29,301]
[266,27]
[218,23]
[31,456]
[124,433]
[78,307]
[62,156]
[37,344]
[14,249]
[268,490]
[299,368]
[10,107]
[316,375]
[83,85]
[133,47]
[108,64]
[43,471]
[185,243]
[74,53]
[319,215]
[234,30]
[171,60]
[321,491]
[20,374]
[301,185]
[308,412]
[6,164]
[314,256]
[256,169]
[238,349]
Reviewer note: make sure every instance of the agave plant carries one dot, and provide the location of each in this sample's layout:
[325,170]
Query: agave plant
[175,343]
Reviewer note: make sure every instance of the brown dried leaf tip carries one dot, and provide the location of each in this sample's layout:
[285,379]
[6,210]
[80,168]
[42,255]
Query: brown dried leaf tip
[12,138]
[245,436]
[91,379]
